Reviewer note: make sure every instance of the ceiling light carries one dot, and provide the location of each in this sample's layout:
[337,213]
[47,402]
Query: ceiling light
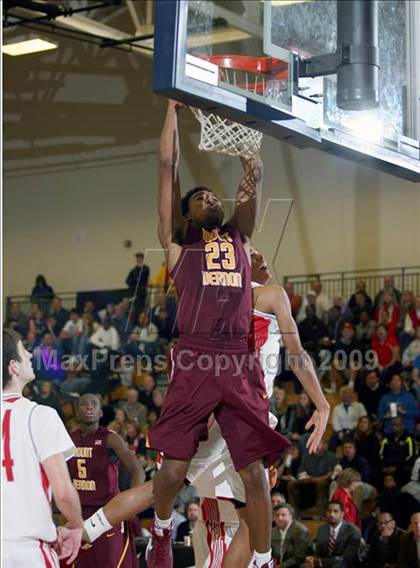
[28,46]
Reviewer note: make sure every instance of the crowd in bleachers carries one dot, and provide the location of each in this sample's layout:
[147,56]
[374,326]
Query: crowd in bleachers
[366,351]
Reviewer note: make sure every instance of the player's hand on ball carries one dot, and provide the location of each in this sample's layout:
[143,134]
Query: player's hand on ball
[319,420]
[68,541]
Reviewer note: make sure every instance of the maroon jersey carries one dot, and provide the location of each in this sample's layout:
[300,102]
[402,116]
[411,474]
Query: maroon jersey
[213,282]
[93,473]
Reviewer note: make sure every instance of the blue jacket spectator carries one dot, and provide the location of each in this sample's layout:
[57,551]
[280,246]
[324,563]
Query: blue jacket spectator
[406,406]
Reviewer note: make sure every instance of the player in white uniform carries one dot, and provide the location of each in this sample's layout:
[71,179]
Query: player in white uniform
[35,446]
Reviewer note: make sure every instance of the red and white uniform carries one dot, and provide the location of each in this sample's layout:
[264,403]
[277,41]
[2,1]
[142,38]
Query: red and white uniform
[212,471]
[31,434]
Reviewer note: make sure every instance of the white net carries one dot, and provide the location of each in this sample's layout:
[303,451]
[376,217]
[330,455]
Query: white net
[226,137]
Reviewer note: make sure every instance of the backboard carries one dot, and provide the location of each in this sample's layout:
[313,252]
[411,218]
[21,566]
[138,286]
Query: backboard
[290,69]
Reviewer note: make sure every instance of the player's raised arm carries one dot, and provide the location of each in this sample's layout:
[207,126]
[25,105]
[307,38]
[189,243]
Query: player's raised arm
[168,202]
[276,301]
[127,458]
[248,196]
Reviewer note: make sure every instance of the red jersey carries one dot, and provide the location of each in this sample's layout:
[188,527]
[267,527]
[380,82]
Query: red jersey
[93,473]
[384,351]
[213,282]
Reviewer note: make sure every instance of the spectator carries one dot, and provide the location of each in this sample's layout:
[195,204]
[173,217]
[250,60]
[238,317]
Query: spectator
[387,352]
[295,299]
[121,322]
[52,327]
[16,314]
[361,305]
[30,342]
[360,289]
[47,360]
[158,399]
[147,334]
[400,505]
[146,391]
[277,499]
[389,306]
[71,334]
[345,417]
[121,417]
[135,440]
[371,392]
[36,323]
[314,477]
[368,446]
[106,337]
[410,545]
[163,324]
[187,527]
[90,326]
[397,449]
[398,403]
[407,306]
[90,308]
[322,302]
[48,397]
[412,351]
[135,411]
[334,320]
[348,482]
[352,460]
[303,413]
[61,315]
[365,330]
[389,286]
[76,381]
[385,544]
[413,486]
[137,281]
[165,302]
[337,542]
[42,292]
[291,541]
[283,411]
[312,331]
[344,361]
[415,375]
[107,312]
[289,468]
[411,322]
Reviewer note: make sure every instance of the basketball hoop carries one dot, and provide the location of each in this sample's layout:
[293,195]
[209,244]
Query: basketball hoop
[223,136]
[244,72]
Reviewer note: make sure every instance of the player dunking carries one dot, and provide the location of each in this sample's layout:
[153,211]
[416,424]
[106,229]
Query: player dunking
[210,267]
[94,471]
[221,538]
[34,452]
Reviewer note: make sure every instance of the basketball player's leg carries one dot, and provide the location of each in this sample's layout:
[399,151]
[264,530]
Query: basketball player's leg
[120,508]
[240,551]
[166,484]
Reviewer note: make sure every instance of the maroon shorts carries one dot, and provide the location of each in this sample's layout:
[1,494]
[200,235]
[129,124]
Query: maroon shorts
[114,548]
[232,387]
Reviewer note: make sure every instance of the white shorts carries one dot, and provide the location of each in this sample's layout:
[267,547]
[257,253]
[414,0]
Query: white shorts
[29,554]
[211,540]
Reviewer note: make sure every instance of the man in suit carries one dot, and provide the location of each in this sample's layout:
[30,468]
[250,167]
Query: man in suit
[291,542]
[410,545]
[337,542]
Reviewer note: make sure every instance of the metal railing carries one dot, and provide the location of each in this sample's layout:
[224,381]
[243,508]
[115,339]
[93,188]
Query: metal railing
[71,300]
[344,283]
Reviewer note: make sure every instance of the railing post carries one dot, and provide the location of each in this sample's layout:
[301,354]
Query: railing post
[342,284]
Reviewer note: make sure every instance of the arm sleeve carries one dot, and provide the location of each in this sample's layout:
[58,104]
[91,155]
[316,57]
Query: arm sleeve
[48,434]
[335,422]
